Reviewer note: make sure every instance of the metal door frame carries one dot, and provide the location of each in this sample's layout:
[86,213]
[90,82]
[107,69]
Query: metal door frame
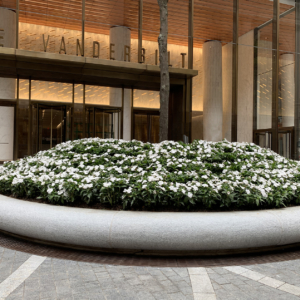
[63,109]
[148,113]
[103,110]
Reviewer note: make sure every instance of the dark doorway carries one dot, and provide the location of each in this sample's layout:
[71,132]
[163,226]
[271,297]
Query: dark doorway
[146,126]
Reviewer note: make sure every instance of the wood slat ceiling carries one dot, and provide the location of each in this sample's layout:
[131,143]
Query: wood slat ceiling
[213,19]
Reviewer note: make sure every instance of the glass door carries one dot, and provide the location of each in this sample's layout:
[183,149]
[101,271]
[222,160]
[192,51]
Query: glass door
[100,122]
[104,124]
[146,126]
[52,126]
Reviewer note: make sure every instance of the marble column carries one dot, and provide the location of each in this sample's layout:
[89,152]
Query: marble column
[120,37]
[7,86]
[245,89]
[287,92]
[7,39]
[227,89]
[212,91]
[6,133]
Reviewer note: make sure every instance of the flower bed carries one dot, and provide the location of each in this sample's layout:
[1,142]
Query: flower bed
[204,174]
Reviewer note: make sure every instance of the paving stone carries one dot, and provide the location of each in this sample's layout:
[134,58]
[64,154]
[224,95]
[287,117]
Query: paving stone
[175,278]
[96,297]
[223,294]
[144,295]
[81,297]
[253,283]
[186,291]
[155,288]
[183,272]
[238,282]
[58,279]
[220,271]
[112,295]
[215,285]
[141,271]
[171,289]
[48,294]
[179,296]
[218,279]
[287,297]
[166,282]
[168,272]
[271,282]
[14,297]
[290,289]
[230,287]
[145,277]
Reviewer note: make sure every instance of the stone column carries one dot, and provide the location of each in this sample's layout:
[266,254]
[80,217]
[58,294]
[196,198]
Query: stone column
[212,91]
[227,89]
[7,86]
[7,39]
[120,37]
[6,133]
[287,77]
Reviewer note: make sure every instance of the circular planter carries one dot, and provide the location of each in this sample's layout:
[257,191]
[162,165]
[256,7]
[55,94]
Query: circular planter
[151,232]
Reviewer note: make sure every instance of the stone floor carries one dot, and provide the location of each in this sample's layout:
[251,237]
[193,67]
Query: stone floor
[28,276]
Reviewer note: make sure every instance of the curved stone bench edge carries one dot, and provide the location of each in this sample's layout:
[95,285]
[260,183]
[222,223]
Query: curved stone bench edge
[150,231]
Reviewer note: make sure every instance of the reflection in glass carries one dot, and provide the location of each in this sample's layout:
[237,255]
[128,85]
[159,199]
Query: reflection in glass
[264,78]
[99,123]
[49,125]
[23,128]
[154,129]
[78,121]
[146,127]
[141,128]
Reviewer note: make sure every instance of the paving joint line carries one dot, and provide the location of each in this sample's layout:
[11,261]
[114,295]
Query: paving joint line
[201,284]
[266,280]
[20,275]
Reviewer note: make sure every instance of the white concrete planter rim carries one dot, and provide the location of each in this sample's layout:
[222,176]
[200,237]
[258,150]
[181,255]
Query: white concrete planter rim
[150,231]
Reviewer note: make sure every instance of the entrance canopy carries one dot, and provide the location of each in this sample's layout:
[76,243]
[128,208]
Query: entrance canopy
[67,68]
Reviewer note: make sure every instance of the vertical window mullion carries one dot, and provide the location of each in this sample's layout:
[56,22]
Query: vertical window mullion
[235,70]
[275,74]
[297,79]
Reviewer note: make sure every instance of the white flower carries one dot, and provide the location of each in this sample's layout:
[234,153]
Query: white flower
[54,169]
[128,191]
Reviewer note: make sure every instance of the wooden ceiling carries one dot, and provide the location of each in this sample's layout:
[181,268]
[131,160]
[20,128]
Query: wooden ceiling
[213,19]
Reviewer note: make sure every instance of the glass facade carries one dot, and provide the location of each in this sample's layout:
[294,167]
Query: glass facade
[246,86]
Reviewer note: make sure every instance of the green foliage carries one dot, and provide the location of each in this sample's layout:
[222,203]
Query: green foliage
[133,174]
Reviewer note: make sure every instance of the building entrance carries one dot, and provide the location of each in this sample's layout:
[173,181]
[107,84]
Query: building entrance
[50,126]
[146,125]
[100,122]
